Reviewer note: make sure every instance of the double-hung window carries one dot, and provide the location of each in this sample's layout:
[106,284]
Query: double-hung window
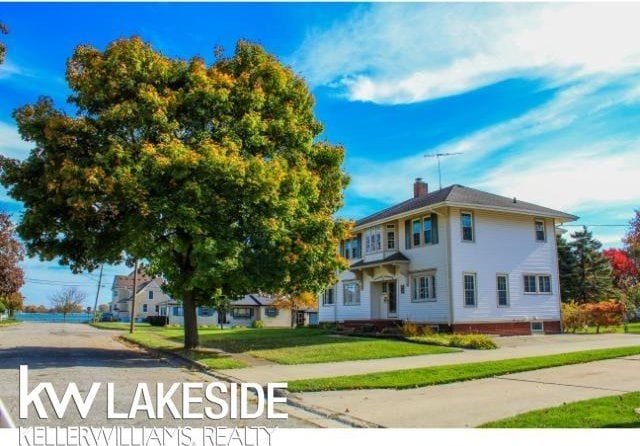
[328,297]
[416,233]
[424,287]
[351,293]
[373,239]
[537,283]
[470,291]
[391,236]
[427,229]
[144,308]
[540,232]
[150,294]
[466,221]
[502,290]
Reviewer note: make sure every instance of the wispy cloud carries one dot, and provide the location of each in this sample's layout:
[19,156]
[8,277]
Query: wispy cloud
[11,143]
[408,53]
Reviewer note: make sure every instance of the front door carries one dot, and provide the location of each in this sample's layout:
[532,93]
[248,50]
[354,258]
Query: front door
[392,300]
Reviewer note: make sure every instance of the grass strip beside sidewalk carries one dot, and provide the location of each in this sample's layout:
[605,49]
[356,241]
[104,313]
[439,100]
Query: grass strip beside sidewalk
[610,411]
[429,376]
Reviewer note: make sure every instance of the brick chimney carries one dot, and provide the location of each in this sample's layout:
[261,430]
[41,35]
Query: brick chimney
[420,188]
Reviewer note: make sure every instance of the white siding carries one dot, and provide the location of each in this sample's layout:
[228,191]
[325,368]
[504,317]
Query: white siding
[504,243]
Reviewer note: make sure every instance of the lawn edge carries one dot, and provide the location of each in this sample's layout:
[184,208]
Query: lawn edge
[407,386]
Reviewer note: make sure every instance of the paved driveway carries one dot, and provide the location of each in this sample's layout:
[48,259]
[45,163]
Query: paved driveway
[60,353]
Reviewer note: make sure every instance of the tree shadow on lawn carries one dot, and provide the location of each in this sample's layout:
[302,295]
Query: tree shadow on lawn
[244,340]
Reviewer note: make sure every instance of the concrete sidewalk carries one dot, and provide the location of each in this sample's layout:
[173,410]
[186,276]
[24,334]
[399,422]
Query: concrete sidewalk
[471,403]
[511,347]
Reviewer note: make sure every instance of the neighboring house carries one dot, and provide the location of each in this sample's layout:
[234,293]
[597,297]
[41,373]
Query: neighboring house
[244,311]
[150,299]
[457,258]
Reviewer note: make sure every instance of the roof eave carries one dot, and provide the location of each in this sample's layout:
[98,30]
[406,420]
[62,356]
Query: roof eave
[559,216]
[397,216]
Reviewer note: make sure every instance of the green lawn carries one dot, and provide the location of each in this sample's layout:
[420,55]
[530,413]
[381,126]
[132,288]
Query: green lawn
[633,328]
[428,376]
[7,322]
[162,339]
[610,411]
[286,345]
[117,325]
[308,345]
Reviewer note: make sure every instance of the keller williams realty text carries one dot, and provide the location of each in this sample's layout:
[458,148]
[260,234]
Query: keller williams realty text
[241,401]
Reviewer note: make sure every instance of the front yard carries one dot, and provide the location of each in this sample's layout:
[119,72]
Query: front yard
[611,411]
[280,345]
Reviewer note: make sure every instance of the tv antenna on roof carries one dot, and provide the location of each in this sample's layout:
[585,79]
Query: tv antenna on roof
[438,156]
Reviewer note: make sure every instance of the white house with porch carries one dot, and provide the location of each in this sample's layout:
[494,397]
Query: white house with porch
[458,259]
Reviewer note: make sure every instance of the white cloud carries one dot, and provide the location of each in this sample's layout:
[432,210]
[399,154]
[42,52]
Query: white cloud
[407,53]
[11,143]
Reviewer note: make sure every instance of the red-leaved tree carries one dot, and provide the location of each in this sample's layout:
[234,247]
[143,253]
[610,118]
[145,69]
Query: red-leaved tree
[11,254]
[625,272]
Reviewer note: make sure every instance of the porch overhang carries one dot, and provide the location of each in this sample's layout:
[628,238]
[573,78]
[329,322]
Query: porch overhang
[393,264]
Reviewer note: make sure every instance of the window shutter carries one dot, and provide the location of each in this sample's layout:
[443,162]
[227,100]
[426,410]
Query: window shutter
[434,228]
[407,234]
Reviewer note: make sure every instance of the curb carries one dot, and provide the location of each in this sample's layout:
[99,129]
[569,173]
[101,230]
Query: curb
[292,401]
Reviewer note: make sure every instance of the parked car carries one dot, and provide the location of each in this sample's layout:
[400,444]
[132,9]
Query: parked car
[107,317]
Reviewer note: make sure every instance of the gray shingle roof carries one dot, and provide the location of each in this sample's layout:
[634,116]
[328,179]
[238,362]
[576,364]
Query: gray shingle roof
[463,195]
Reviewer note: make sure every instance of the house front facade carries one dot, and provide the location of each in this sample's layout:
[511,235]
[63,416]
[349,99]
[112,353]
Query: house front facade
[458,259]
[150,299]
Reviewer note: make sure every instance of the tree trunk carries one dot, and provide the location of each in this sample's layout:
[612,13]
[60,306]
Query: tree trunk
[191,340]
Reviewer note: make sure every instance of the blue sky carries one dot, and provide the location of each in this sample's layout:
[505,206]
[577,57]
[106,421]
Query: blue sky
[543,100]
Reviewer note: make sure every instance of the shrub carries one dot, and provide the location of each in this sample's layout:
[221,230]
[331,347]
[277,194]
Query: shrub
[257,324]
[426,330]
[573,317]
[470,340]
[409,329]
[600,314]
[158,321]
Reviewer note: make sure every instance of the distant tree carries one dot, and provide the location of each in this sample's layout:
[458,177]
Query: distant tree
[296,302]
[35,309]
[68,301]
[3,308]
[625,272]
[632,239]
[567,266]
[214,174]
[595,279]
[13,302]
[3,48]
[103,308]
[11,254]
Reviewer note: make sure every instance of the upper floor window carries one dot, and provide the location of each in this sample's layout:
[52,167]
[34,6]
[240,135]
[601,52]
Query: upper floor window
[351,294]
[416,233]
[424,287]
[328,297]
[391,236]
[540,232]
[144,308]
[466,220]
[537,283]
[502,289]
[427,228]
[150,294]
[469,280]
[351,248]
[423,231]
[373,239]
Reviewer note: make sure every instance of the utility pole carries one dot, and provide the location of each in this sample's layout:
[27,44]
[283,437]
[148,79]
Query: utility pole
[438,156]
[133,296]
[95,306]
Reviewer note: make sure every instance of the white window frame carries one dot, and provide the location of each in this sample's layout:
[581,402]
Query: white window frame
[150,294]
[544,230]
[541,327]
[475,289]
[506,284]
[391,229]
[356,298]
[537,277]
[144,308]
[325,297]
[373,239]
[430,294]
[473,227]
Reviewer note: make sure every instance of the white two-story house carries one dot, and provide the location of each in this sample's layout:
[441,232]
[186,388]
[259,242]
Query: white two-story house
[458,259]
[150,299]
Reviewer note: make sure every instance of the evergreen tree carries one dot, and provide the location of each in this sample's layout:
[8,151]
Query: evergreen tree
[567,267]
[594,275]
